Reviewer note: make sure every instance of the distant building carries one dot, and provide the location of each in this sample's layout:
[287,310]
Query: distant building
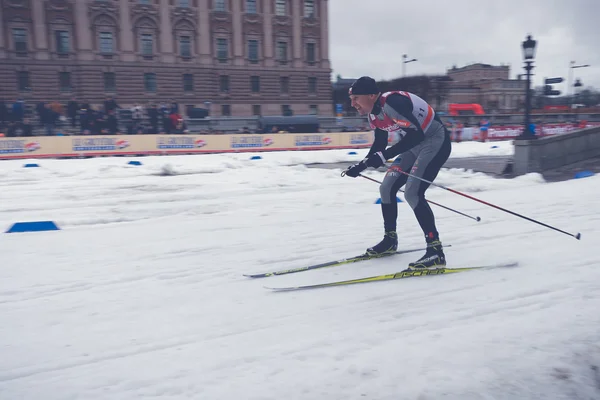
[484,84]
[487,85]
[475,72]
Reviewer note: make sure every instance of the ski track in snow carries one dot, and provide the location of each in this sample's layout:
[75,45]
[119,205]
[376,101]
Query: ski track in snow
[141,294]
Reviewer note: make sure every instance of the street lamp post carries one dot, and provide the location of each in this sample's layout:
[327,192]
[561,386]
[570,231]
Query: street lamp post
[572,66]
[575,99]
[404,62]
[209,119]
[528,55]
[577,85]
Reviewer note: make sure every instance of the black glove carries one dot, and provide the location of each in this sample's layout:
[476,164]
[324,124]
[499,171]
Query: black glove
[376,160]
[356,169]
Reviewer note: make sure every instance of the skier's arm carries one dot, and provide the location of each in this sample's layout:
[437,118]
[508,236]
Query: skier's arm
[379,143]
[400,107]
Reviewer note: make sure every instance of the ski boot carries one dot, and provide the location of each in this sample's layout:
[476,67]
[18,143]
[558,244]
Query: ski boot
[434,257]
[387,246]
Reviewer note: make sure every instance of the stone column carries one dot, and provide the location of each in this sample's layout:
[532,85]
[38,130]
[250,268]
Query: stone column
[324,20]
[267,42]
[40,34]
[204,37]
[166,33]
[83,31]
[297,33]
[238,37]
[126,44]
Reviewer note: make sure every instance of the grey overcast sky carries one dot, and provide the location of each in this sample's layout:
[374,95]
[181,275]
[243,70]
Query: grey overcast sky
[368,37]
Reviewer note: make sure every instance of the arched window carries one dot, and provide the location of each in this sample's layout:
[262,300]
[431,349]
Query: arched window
[184,38]
[61,38]
[282,48]
[222,43]
[20,37]
[146,37]
[105,33]
[311,49]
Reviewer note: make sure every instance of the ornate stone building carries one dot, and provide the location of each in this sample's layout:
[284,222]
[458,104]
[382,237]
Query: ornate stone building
[238,57]
[488,85]
[474,72]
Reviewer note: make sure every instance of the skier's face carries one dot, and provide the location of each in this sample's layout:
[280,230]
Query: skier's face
[363,102]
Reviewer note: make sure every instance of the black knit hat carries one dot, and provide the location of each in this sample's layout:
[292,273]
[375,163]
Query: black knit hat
[364,85]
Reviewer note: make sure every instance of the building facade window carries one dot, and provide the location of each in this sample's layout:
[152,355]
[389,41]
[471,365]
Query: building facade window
[224,83]
[146,31]
[256,110]
[185,47]
[110,81]
[284,83]
[286,110]
[105,31]
[64,81]
[184,32]
[183,3]
[312,85]
[188,82]
[255,84]
[23,83]
[281,7]
[106,45]
[251,7]
[225,110]
[147,44]
[309,8]
[222,50]
[20,40]
[62,41]
[150,82]
[313,109]
[219,5]
[282,52]
[253,51]
[311,54]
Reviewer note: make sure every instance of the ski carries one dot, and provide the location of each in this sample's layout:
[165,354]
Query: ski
[388,277]
[362,257]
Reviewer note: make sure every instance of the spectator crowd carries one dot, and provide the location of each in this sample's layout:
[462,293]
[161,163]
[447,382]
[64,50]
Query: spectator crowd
[80,118]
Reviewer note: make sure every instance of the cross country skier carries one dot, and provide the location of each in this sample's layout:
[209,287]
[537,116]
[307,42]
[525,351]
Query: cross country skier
[423,148]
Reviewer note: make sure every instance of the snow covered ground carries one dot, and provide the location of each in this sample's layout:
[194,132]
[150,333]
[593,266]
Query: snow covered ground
[141,294]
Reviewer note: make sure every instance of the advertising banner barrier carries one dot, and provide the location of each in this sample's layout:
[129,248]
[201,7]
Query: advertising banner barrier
[512,131]
[507,132]
[27,147]
[139,145]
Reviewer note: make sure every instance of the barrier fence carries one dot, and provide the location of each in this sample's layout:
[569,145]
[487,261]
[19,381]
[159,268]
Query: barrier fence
[507,132]
[140,145]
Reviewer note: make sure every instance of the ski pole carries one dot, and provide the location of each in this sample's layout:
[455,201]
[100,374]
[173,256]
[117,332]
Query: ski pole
[576,236]
[429,201]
